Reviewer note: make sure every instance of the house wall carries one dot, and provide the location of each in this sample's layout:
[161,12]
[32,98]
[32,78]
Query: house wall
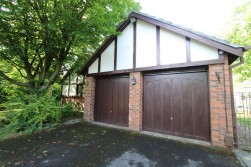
[220,103]
[200,52]
[155,47]
[106,58]
[89,97]
[151,42]
[125,49]
[136,102]
[172,48]
[79,101]
[145,44]
[94,67]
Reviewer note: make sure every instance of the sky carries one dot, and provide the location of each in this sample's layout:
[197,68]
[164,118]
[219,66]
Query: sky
[207,16]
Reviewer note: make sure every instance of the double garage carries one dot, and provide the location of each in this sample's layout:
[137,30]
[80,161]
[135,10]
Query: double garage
[175,103]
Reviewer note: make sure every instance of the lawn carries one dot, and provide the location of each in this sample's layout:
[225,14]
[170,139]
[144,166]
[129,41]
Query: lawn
[244,121]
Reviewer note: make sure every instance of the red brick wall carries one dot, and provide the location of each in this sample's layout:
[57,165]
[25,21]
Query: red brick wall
[218,108]
[89,97]
[79,101]
[135,102]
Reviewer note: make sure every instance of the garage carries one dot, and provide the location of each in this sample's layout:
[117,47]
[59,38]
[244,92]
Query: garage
[178,82]
[177,103]
[112,100]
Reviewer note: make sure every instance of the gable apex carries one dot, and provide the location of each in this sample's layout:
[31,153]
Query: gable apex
[234,50]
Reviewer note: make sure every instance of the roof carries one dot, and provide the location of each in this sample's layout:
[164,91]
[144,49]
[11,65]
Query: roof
[234,50]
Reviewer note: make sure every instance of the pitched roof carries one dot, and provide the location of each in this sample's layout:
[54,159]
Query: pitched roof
[224,45]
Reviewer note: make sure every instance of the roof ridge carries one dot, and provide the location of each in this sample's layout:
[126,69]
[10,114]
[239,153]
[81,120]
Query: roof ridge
[212,37]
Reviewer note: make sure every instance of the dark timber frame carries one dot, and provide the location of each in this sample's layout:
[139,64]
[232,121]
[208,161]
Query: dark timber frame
[233,51]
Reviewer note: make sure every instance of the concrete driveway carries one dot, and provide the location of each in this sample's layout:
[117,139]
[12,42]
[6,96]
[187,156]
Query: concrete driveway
[88,145]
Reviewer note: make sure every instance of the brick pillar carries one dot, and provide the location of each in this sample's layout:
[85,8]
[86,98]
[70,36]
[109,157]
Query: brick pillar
[218,109]
[89,96]
[135,102]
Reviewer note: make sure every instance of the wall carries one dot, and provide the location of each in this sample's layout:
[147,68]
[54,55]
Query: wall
[173,49]
[89,97]
[79,101]
[107,58]
[145,44]
[219,105]
[94,67]
[136,102]
[125,49]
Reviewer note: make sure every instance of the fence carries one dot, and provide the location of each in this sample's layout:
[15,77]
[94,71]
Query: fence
[243,119]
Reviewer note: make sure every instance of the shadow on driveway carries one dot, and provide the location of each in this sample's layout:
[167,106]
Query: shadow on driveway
[88,145]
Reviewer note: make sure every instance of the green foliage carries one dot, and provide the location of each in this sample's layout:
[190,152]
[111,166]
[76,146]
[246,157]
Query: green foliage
[34,112]
[238,31]
[68,109]
[244,121]
[5,118]
[40,39]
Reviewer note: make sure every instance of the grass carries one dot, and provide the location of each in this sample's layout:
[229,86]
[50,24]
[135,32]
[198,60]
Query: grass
[244,121]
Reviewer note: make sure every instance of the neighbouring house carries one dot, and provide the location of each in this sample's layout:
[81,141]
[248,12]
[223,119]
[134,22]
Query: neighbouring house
[160,77]
[72,90]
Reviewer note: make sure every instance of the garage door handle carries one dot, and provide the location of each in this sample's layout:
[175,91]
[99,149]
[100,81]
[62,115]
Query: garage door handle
[110,111]
[171,118]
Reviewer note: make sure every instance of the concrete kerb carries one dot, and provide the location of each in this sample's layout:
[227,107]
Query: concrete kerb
[244,157]
[73,121]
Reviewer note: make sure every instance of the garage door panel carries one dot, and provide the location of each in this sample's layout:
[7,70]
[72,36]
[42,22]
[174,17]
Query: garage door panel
[158,116]
[112,101]
[167,103]
[149,105]
[200,106]
[115,102]
[188,122]
[101,92]
[97,112]
[177,105]
[109,101]
[126,84]
[181,100]
[121,102]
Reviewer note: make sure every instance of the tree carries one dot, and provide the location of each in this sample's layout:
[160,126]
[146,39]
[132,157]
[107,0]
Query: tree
[40,38]
[239,32]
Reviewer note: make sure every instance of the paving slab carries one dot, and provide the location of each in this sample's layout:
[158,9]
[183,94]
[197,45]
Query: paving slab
[244,157]
[87,145]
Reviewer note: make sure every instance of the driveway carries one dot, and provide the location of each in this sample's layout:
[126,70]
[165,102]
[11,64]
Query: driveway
[88,145]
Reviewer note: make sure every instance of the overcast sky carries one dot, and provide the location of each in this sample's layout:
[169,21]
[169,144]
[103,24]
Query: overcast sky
[207,16]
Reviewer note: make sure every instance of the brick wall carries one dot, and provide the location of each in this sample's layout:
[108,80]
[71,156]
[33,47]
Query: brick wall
[218,108]
[135,102]
[89,97]
[79,101]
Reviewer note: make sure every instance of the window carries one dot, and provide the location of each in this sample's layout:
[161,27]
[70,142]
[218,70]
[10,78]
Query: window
[72,86]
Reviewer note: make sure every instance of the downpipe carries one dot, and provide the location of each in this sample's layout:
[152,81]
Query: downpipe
[228,137]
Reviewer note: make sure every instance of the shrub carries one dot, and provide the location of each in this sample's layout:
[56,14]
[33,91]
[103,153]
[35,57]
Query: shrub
[70,109]
[67,110]
[34,112]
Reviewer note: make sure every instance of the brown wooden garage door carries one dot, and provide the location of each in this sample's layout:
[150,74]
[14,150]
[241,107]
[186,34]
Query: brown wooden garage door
[177,103]
[112,100]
